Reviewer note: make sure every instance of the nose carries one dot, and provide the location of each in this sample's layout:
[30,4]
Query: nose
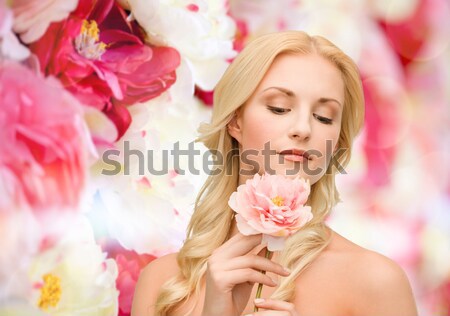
[300,128]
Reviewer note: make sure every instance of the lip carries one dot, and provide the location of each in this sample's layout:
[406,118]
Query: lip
[295,153]
[300,158]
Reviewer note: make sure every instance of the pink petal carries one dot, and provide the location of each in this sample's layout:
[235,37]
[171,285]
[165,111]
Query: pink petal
[243,227]
[273,243]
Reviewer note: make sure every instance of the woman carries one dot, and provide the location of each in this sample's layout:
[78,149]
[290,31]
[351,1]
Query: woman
[284,91]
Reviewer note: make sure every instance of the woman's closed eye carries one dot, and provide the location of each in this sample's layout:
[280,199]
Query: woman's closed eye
[277,110]
[323,119]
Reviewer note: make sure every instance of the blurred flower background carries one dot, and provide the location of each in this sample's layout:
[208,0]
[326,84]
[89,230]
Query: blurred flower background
[85,80]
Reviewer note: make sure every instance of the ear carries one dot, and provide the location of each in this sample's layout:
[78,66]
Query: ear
[234,126]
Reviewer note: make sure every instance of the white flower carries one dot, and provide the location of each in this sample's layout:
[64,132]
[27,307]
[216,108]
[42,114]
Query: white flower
[200,30]
[74,277]
[10,47]
[19,307]
[17,249]
[339,21]
[392,11]
[33,17]
[144,211]
[265,16]
[40,274]
[140,216]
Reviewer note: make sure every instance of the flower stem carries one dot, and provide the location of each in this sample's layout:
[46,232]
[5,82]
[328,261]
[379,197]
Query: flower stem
[260,285]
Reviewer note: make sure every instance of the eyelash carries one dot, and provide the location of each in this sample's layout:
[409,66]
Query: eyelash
[322,119]
[273,109]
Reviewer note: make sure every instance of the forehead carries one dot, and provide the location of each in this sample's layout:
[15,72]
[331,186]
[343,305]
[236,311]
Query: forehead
[308,76]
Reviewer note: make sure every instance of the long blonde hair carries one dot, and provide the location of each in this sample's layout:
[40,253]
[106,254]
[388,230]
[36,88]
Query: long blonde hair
[210,224]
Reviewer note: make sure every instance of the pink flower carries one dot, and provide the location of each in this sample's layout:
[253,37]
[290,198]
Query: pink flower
[101,58]
[44,151]
[423,34]
[272,205]
[130,265]
[242,34]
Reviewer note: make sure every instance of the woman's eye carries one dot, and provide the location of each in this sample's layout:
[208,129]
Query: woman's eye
[277,110]
[322,119]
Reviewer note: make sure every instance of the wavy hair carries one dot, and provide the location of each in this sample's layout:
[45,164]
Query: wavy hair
[210,224]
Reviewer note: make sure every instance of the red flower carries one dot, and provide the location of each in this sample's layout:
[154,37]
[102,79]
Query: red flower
[130,265]
[101,58]
[206,96]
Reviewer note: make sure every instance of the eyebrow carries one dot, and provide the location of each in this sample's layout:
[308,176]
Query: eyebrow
[291,94]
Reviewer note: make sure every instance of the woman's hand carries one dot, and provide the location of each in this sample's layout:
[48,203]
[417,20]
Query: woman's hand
[274,308]
[232,270]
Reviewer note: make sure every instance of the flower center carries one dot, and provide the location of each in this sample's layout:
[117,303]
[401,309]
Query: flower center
[278,200]
[87,42]
[50,292]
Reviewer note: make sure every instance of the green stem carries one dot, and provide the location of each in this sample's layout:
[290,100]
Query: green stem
[260,285]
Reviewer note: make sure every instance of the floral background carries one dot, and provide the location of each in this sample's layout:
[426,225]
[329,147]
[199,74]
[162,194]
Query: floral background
[81,80]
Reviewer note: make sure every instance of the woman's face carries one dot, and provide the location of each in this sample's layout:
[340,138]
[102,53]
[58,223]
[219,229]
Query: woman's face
[297,105]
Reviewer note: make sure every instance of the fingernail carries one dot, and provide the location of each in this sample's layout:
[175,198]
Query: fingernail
[274,281]
[287,270]
[249,315]
[259,300]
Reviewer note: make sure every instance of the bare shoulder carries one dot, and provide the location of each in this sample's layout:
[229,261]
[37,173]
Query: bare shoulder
[162,266]
[377,284]
[383,286]
[150,280]
[347,279]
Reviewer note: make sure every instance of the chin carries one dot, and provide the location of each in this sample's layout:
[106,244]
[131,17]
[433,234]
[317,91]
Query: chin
[289,173]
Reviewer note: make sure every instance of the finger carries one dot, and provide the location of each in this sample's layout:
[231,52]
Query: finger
[254,262]
[275,305]
[255,240]
[238,245]
[248,275]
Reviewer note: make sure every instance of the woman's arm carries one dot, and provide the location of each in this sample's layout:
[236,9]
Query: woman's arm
[381,288]
[150,280]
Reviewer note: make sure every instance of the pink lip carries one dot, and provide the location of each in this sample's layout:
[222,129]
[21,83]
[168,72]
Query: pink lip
[295,152]
[294,157]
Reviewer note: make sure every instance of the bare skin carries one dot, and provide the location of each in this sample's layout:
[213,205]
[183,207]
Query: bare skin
[345,279]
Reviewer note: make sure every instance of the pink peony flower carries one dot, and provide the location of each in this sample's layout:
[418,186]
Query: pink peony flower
[44,140]
[272,205]
[101,58]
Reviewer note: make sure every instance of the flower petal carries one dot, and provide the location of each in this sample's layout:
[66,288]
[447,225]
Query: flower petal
[243,227]
[274,243]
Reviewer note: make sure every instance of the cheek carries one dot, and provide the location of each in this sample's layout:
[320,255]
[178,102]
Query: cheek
[256,133]
[327,140]
[332,147]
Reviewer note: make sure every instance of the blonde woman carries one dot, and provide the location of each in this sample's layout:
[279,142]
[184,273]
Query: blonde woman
[300,98]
